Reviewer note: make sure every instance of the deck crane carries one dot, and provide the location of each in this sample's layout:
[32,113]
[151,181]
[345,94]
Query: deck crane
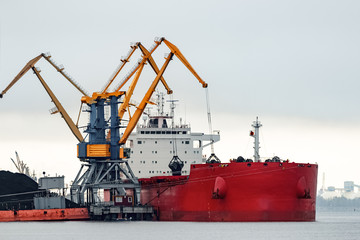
[20,165]
[105,164]
[59,108]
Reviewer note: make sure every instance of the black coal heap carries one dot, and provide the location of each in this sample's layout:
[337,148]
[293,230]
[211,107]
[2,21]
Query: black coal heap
[16,191]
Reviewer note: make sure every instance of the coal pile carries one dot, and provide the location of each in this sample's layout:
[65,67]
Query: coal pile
[16,191]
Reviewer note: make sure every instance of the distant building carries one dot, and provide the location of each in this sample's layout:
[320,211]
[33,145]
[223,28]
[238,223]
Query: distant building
[347,192]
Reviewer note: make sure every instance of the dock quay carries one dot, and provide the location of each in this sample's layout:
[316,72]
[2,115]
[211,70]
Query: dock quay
[113,212]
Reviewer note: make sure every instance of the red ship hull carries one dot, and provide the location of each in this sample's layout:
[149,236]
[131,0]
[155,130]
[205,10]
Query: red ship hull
[235,192]
[45,215]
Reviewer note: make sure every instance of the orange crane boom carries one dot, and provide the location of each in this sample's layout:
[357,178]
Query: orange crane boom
[29,65]
[123,62]
[59,108]
[182,58]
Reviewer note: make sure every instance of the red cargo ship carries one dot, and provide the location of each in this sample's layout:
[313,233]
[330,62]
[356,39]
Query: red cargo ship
[237,191]
[242,190]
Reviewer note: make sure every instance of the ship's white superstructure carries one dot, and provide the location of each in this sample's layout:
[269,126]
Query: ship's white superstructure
[158,139]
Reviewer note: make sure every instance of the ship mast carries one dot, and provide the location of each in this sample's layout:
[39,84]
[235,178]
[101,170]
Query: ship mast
[160,103]
[256,125]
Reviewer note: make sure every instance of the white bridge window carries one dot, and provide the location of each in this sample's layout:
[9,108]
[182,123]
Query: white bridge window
[197,144]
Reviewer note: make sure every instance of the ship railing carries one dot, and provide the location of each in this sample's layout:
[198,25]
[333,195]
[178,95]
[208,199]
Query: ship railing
[182,126]
[104,204]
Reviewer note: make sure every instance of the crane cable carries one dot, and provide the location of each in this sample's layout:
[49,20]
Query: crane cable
[209,119]
[213,158]
[173,135]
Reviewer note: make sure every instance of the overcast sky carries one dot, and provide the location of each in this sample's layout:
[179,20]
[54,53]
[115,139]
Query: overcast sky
[295,64]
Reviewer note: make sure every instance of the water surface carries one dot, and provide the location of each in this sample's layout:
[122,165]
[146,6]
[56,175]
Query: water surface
[328,226]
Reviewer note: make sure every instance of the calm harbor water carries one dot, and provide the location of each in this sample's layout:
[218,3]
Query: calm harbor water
[329,225]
